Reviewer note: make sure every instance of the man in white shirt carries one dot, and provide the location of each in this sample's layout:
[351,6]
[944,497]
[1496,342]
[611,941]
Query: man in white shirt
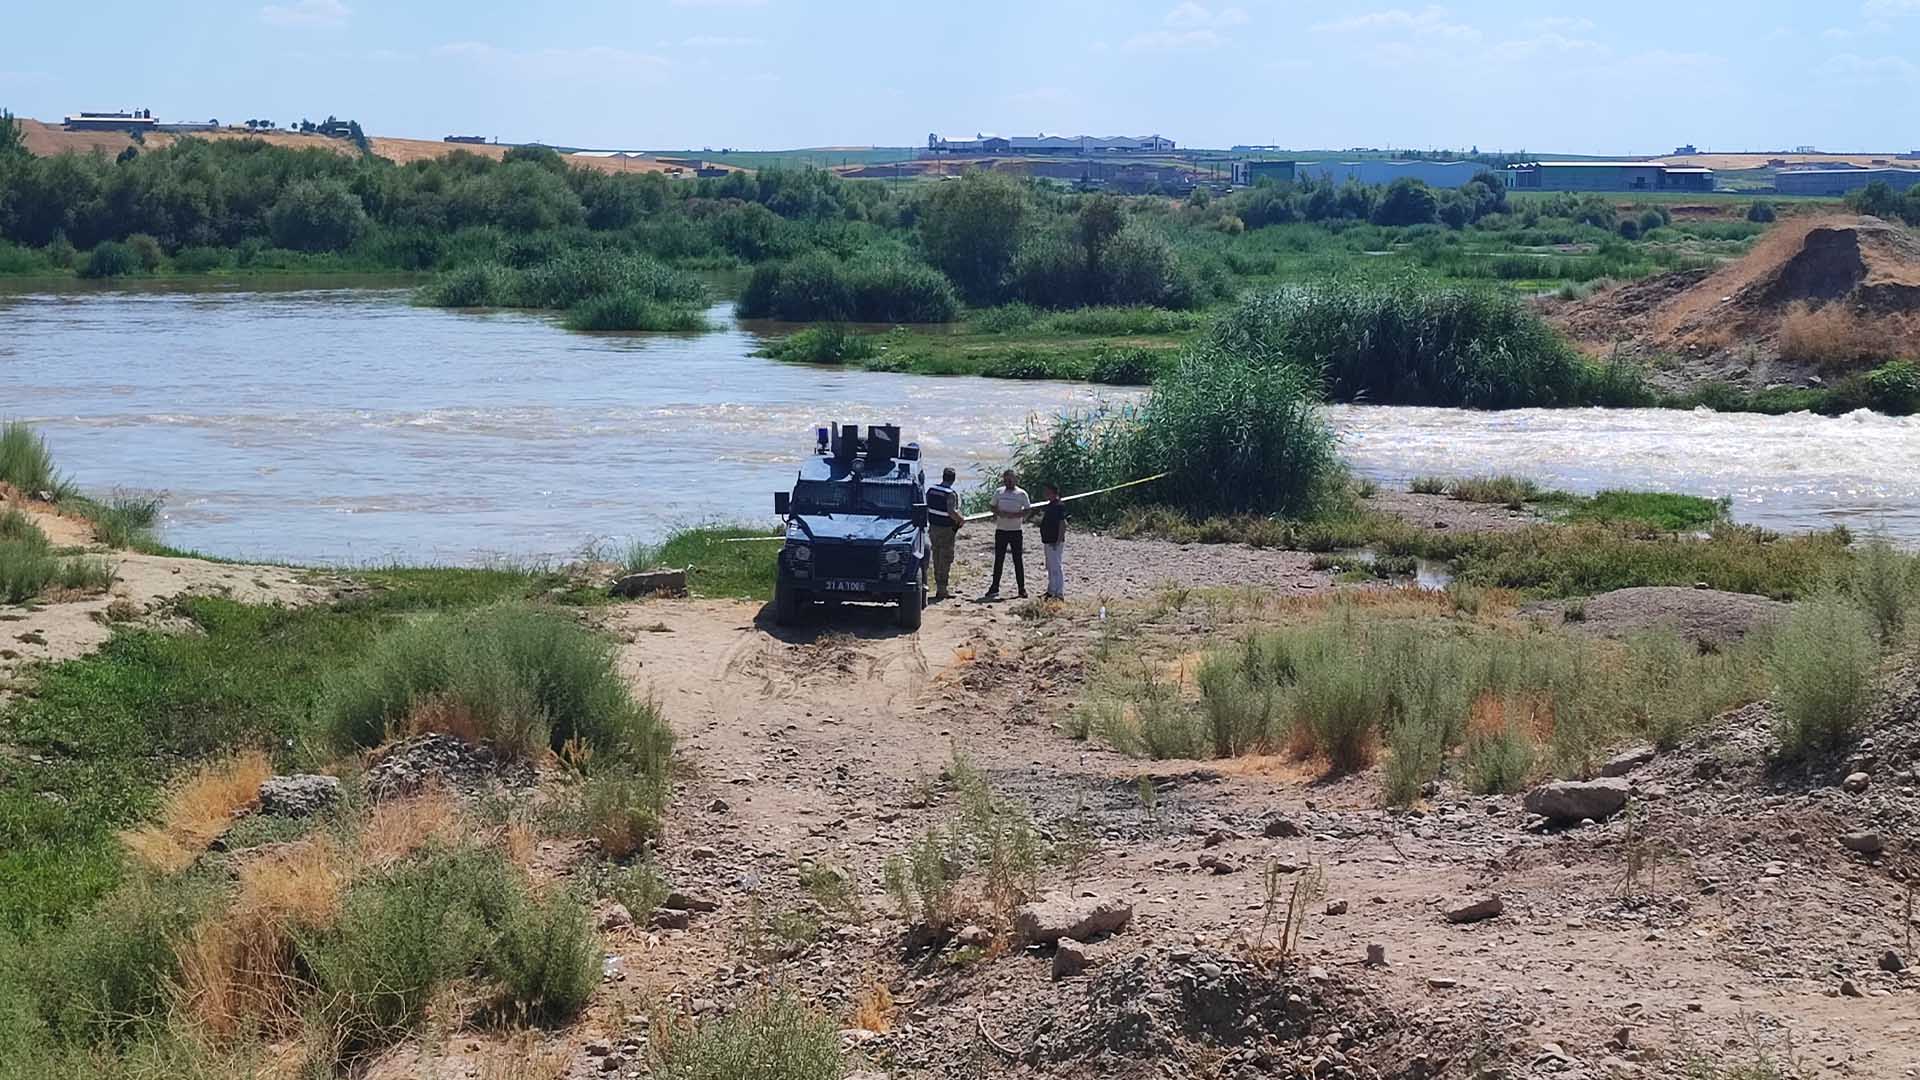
[1010,509]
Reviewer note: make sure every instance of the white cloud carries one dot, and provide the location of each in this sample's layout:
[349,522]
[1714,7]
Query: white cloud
[1430,21]
[1854,67]
[1171,40]
[1190,14]
[596,62]
[1571,24]
[306,13]
[720,41]
[1882,8]
[1547,44]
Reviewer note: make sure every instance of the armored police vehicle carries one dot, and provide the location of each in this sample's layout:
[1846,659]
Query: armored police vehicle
[856,525]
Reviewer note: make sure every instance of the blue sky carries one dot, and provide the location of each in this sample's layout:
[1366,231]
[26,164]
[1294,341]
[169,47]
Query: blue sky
[1633,76]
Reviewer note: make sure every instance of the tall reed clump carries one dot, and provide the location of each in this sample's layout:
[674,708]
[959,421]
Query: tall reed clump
[1410,342]
[27,464]
[1227,437]
[1824,662]
[871,287]
[523,679]
[599,290]
[27,562]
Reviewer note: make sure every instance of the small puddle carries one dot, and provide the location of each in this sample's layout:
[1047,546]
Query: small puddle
[1432,575]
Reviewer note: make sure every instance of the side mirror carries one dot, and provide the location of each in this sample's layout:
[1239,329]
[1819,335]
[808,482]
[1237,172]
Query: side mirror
[920,515]
[782,502]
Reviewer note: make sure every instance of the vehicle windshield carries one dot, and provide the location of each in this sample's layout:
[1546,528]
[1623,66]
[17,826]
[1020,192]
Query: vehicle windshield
[846,497]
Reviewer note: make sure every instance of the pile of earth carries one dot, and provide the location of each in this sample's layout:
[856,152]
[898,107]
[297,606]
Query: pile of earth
[1709,618]
[1729,322]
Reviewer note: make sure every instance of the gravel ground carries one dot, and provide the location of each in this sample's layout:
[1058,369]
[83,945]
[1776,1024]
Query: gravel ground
[1102,566]
[1708,617]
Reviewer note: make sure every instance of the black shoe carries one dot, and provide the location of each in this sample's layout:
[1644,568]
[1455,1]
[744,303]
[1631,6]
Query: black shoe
[1023,594]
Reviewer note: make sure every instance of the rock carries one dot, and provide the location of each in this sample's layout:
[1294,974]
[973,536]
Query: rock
[1376,955]
[1080,918]
[1215,838]
[718,806]
[974,936]
[599,1048]
[1864,842]
[1441,982]
[1281,827]
[298,795]
[684,901]
[1856,782]
[1472,911]
[1218,864]
[866,1074]
[1891,961]
[1572,800]
[702,854]
[1626,761]
[616,918]
[1623,1038]
[649,583]
[671,919]
[1848,988]
[411,765]
[613,1063]
[1069,959]
[1336,907]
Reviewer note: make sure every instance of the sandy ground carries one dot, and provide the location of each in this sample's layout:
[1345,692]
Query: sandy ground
[45,139]
[143,584]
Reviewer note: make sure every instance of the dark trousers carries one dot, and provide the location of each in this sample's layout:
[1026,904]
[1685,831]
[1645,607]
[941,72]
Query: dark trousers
[1005,540]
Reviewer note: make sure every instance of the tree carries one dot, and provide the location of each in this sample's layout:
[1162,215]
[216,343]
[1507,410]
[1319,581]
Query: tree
[1407,202]
[970,229]
[12,139]
[317,215]
[1761,212]
[1100,220]
[1877,199]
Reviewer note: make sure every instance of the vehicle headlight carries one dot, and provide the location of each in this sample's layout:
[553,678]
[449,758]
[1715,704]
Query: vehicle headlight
[801,553]
[892,558]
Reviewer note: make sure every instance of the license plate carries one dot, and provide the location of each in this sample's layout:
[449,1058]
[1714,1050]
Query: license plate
[844,586]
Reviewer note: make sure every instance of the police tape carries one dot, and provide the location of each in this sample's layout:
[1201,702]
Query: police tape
[984,515]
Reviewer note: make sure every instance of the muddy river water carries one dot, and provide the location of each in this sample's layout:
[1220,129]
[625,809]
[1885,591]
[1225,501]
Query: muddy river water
[346,426]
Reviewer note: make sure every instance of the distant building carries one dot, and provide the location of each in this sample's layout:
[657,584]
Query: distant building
[1374,171]
[1049,144]
[1911,155]
[187,126]
[476,140]
[1249,173]
[1838,181]
[138,120]
[1608,176]
[1685,151]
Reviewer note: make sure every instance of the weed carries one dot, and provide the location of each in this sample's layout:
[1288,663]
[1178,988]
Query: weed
[832,888]
[639,888]
[1508,490]
[921,883]
[1428,485]
[620,809]
[27,464]
[124,520]
[873,1008]
[1886,584]
[1823,664]
[1500,761]
[776,1037]
[545,956]
[1283,910]
[198,810]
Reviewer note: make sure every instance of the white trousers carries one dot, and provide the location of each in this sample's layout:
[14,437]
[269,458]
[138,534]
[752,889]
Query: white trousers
[1056,567]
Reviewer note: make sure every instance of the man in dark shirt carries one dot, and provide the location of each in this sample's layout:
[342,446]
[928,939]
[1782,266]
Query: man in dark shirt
[943,522]
[1053,542]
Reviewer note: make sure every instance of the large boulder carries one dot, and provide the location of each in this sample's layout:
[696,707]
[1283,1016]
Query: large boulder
[1080,918]
[1573,800]
[298,795]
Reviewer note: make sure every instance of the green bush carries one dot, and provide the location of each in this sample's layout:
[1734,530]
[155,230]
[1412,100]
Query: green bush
[828,344]
[1407,342]
[527,679]
[1824,661]
[778,1037]
[633,311]
[1883,581]
[1761,212]
[1499,762]
[27,567]
[1507,489]
[401,936]
[545,957]
[199,260]
[817,287]
[106,977]
[475,285]
[111,259]
[970,230]
[124,520]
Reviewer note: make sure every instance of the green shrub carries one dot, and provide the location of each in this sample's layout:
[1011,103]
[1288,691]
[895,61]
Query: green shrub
[778,1037]
[1407,342]
[1128,367]
[199,260]
[828,344]
[124,520]
[111,259]
[1428,485]
[321,214]
[1824,661]
[26,463]
[633,311]
[1883,581]
[525,679]
[27,567]
[1894,388]
[621,809]
[475,285]
[401,936]
[148,250]
[817,287]
[1761,212]
[1499,762]
[105,977]
[572,278]
[545,957]
[1510,490]
[639,888]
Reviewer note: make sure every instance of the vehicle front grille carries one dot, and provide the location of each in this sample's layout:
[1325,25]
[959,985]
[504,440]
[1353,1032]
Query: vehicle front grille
[850,563]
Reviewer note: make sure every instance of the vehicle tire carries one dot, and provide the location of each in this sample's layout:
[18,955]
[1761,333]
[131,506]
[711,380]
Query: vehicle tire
[911,603]
[786,604]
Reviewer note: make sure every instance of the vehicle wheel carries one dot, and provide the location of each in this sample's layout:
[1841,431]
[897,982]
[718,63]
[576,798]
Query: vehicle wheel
[911,602]
[786,604]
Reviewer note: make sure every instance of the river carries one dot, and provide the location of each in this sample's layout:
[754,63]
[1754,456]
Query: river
[347,427]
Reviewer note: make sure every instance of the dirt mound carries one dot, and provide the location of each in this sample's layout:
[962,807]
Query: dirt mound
[1709,618]
[412,765]
[1817,290]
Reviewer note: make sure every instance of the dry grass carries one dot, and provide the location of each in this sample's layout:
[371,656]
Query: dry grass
[197,811]
[397,828]
[526,1056]
[237,971]
[1835,336]
[873,1008]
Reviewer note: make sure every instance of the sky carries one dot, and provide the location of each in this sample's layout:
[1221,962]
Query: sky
[1629,76]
